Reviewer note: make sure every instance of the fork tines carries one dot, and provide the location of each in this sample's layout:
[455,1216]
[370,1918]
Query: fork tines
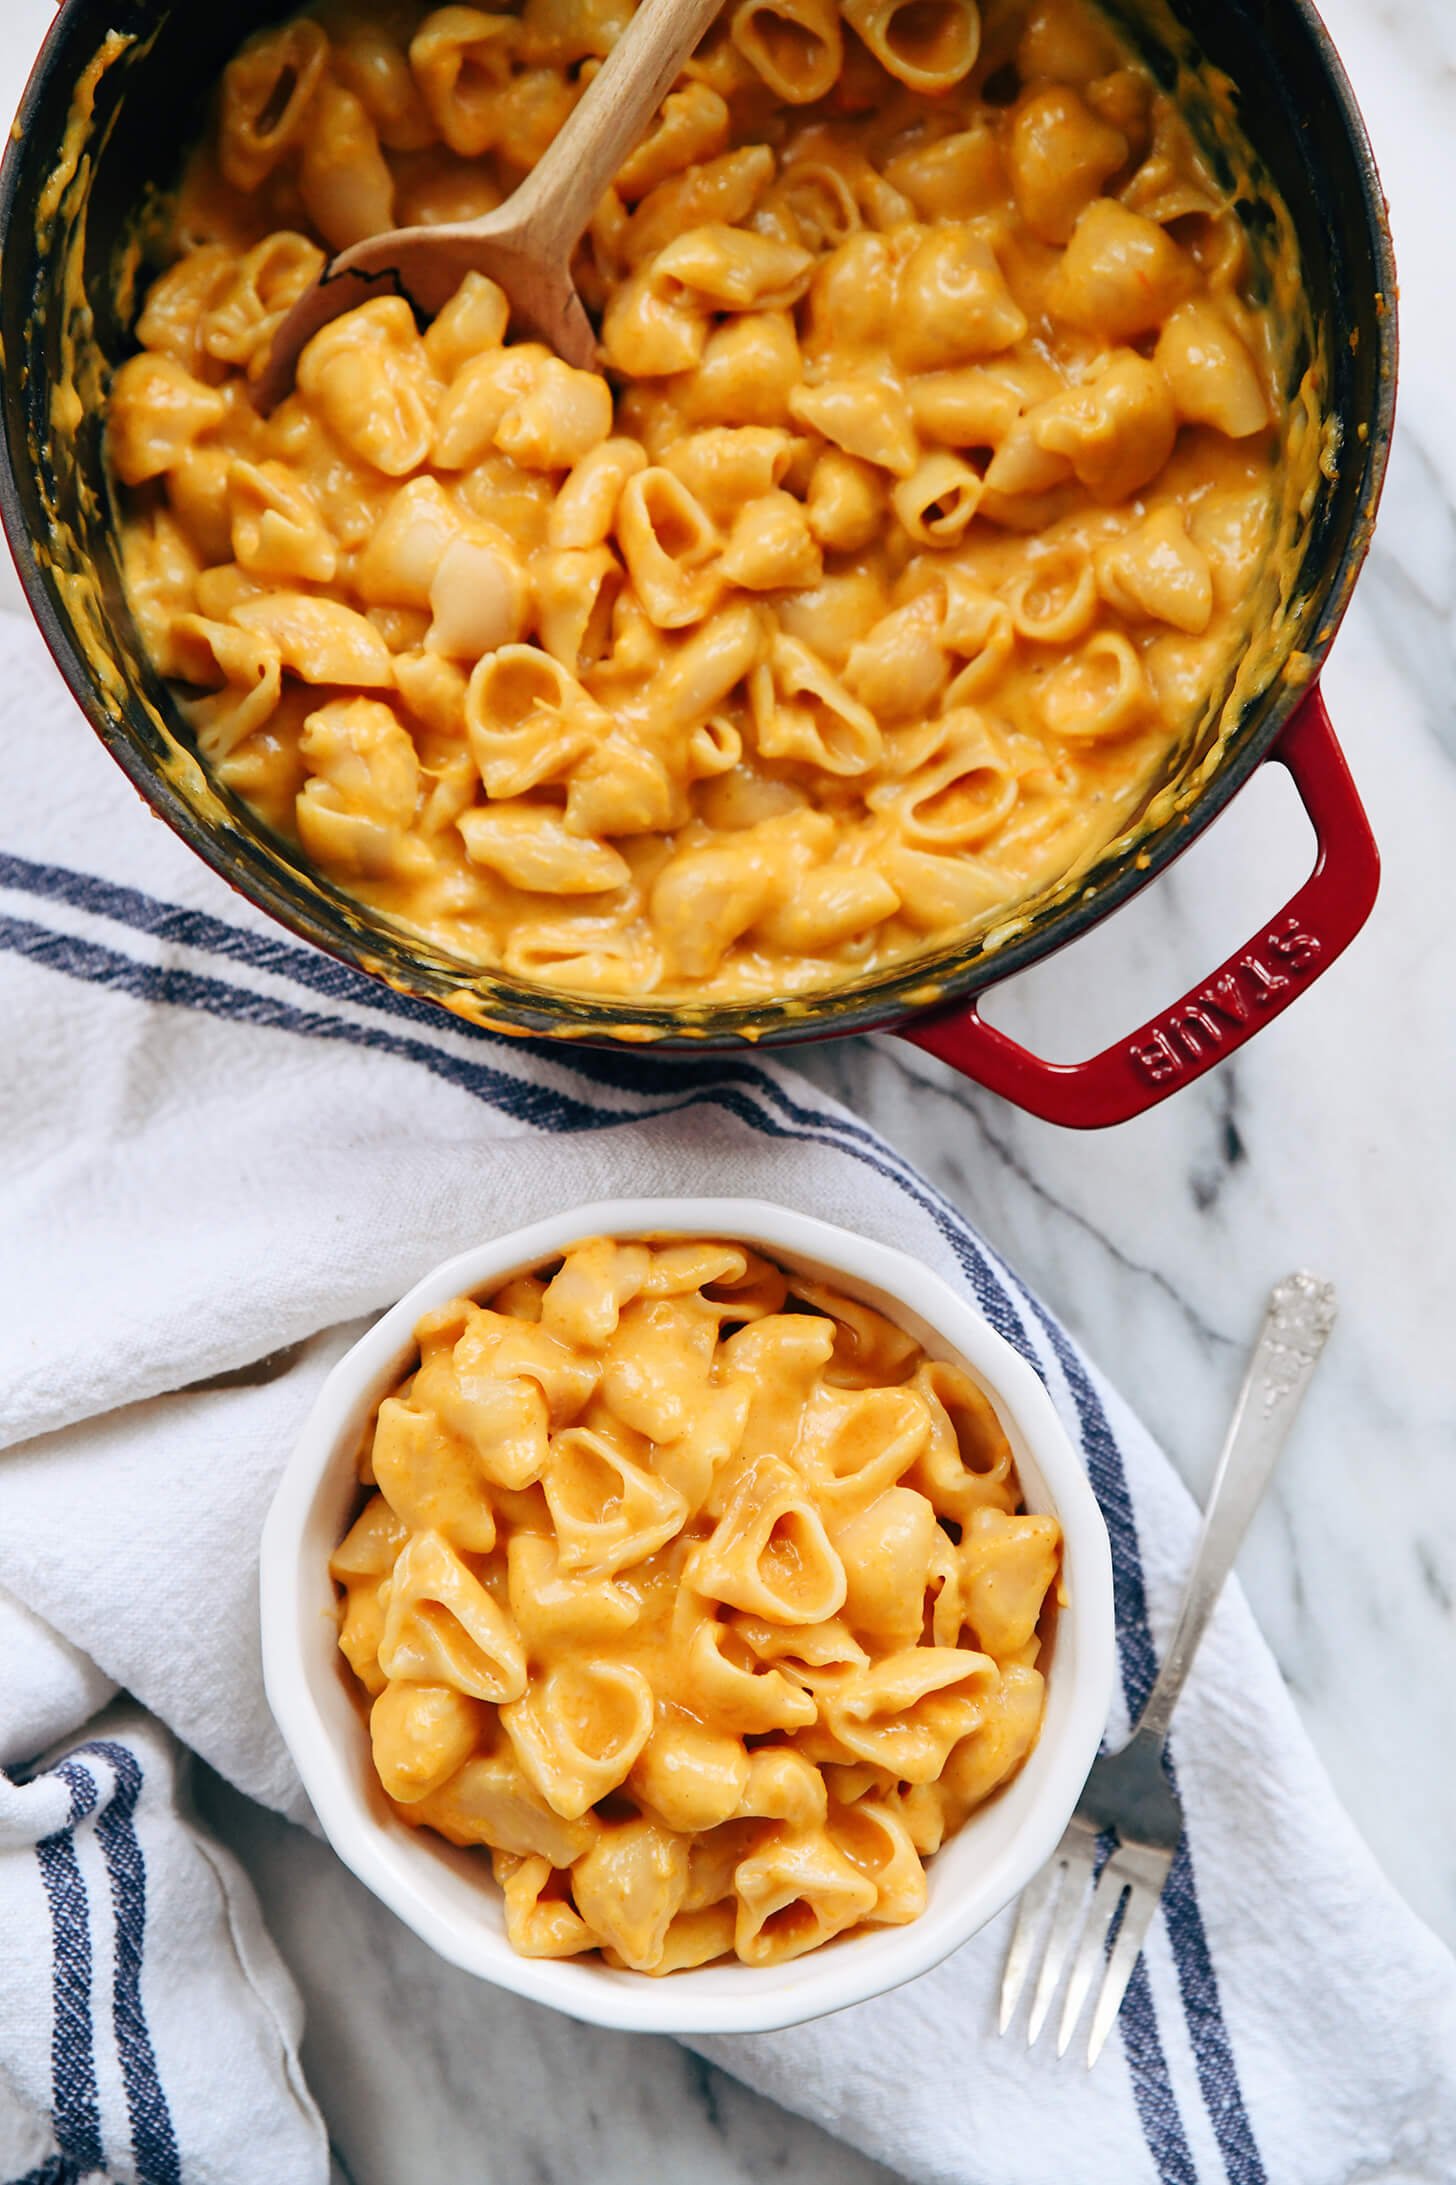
[1131,1880]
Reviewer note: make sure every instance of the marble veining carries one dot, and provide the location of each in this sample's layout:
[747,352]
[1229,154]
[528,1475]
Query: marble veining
[1326,1145]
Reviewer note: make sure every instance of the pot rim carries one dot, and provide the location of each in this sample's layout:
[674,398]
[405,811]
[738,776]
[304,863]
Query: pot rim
[496,1004]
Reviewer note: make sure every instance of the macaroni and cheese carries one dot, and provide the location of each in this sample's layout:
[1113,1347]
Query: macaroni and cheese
[867,588]
[699,1595]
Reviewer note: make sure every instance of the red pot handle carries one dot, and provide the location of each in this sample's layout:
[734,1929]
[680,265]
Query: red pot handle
[1242,996]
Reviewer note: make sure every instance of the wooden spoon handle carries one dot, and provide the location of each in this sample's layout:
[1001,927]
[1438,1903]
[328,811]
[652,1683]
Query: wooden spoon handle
[559,196]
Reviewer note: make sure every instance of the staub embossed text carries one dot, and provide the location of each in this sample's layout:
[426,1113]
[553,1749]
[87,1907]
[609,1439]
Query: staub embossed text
[1197,1028]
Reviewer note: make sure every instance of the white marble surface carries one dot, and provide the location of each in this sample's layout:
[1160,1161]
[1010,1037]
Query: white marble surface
[1328,1143]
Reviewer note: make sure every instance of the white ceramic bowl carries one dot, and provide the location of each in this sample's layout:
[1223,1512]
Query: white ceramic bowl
[447,1895]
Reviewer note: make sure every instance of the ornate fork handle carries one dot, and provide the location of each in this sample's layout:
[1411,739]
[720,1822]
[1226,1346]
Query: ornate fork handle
[1296,1326]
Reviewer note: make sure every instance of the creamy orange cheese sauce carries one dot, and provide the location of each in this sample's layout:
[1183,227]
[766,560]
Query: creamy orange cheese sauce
[910,524]
[698,1595]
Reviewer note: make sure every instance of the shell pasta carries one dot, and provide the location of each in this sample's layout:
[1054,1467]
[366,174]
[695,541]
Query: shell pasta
[698,1596]
[933,417]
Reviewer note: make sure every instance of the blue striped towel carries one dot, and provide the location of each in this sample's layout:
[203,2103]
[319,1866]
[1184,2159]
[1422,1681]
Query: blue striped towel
[217,1146]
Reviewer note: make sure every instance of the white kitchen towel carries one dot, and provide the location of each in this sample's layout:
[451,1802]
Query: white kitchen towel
[218,1150]
[147,2027]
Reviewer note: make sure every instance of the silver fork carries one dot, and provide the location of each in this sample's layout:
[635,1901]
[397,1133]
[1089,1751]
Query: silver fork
[1128,1794]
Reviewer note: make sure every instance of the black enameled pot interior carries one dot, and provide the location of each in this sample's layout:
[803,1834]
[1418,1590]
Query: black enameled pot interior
[1293,105]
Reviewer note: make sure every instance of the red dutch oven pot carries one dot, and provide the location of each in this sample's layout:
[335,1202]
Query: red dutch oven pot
[1294,107]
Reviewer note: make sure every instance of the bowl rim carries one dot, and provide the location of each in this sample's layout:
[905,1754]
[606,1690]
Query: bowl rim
[947,979]
[824,1981]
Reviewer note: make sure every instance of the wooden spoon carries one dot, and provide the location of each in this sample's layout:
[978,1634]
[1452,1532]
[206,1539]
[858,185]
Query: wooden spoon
[527,243]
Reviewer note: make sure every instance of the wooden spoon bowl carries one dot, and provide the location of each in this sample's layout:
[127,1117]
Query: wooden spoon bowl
[526,245]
